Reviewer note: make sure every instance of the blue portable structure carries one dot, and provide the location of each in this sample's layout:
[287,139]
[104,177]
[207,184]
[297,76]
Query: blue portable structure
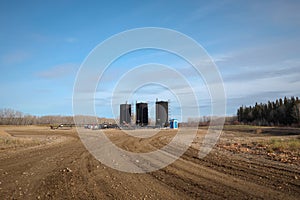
[174,123]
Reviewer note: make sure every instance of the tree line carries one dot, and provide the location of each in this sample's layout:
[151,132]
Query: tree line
[280,112]
[12,117]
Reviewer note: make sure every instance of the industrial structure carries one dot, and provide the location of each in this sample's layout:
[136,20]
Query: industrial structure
[142,117]
[141,114]
[125,114]
[161,114]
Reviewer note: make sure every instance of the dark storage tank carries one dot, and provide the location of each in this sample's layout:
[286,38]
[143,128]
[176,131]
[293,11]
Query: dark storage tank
[125,114]
[141,114]
[162,117]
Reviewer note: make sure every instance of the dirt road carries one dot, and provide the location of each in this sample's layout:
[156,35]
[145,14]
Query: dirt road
[64,169]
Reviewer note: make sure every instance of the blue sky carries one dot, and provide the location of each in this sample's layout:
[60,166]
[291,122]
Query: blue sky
[255,44]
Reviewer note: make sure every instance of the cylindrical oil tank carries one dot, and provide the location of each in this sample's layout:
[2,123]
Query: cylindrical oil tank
[141,114]
[125,114]
[162,117]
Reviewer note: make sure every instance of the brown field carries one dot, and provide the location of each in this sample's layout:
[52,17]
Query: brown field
[247,163]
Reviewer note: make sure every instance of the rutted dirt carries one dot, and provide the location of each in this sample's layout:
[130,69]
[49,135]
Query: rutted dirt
[64,169]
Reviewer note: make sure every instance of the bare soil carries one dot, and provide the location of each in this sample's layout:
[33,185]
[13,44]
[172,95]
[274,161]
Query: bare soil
[59,167]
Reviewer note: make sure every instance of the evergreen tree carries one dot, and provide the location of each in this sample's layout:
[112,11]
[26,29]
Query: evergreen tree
[281,112]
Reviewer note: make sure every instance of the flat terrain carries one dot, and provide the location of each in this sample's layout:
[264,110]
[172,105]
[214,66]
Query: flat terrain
[247,163]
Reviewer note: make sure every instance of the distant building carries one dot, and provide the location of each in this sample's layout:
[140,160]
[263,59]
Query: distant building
[162,117]
[141,114]
[125,114]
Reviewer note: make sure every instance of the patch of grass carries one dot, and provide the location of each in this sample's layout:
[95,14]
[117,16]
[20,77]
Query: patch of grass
[9,142]
[242,128]
[284,145]
[246,127]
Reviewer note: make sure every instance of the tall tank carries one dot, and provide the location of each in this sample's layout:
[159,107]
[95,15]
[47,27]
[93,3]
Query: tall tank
[125,114]
[162,117]
[141,114]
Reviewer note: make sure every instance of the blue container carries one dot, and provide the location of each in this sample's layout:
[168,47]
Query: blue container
[174,123]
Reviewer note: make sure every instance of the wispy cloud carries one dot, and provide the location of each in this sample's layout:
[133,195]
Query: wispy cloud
[46,38]
[263,61]
[15,57]
[262,53]
[263,74]
[58,71]
[204,11]
[280,12]
[253,89]
[41,38]
[71,40]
